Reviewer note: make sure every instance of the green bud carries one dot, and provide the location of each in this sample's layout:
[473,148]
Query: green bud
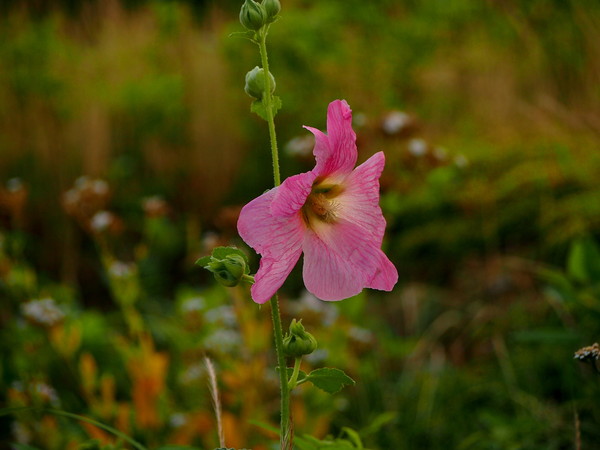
[228,271]
[252,15]
[298,341]
[255,83]
[272,8]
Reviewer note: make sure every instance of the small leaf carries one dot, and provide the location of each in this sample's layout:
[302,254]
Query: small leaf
[259,108]
[221,253]
[329,379]
[583,262]
[250,35]
[224,252]
[559,282]
[203,262]
[378,422]
[353,437]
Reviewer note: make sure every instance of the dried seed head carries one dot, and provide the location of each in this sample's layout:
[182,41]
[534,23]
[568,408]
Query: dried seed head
[588,354]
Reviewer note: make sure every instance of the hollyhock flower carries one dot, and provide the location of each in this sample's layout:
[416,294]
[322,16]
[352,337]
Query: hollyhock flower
[331,214]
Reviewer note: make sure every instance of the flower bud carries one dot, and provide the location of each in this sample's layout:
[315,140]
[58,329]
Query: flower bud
[255,83]
[298,341]
[252,15]
[272,8]
[228,271]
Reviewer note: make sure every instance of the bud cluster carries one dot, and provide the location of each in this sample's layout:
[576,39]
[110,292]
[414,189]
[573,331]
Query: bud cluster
[229,265]
[255,15]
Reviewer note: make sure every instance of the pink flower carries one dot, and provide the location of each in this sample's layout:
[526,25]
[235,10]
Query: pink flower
[331,214]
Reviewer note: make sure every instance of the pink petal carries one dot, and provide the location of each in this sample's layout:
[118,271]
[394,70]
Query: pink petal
[327,275]
[273,271]
[386,275]
[277,239]
[359,201]
[292,194]
[335,152]
[339,260]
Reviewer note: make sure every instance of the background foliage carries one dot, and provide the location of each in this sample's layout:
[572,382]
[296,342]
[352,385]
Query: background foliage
[489,115]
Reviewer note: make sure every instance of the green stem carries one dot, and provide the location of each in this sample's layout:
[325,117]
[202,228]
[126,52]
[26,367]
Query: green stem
[285,431]
[283,382]
[294,378]
[268,100]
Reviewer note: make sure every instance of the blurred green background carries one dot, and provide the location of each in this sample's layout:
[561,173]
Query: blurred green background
[127,149]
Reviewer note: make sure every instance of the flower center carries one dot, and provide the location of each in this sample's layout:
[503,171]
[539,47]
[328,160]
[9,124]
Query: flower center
[320,204]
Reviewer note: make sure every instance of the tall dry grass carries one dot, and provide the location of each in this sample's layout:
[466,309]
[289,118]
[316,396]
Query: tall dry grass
[141,97]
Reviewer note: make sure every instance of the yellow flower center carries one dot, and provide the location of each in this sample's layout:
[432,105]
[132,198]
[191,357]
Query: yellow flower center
[321,204]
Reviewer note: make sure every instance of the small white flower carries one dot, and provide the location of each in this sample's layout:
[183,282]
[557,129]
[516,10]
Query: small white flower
[71,197]
[461,161]
[43,311]
[223,340]
[210,240]
[119,269]
[193,373]
[14,185]
[101,221]
[100,187]
[193,304]
[21,433]
[417,147]
[300,145]
[47,393]
[361,335]
[440,153]
[222,314]
[178,420]
[82,181]
[359,119]
[395,121]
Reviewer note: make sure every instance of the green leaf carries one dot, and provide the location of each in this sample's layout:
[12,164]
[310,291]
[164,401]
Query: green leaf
[354,437]
[329,379]
[259,108]
[583,262]
[203,262]
[264,426]
[378,422]
[310,443]
[560,284]
[250,35]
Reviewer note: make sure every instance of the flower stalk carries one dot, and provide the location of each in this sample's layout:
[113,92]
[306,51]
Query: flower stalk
[268,100]
[285,423]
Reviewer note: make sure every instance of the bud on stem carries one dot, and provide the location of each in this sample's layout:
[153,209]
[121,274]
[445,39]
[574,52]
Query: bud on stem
[253,15]
[298,341]
[272,8]
[229,265]
[255,83]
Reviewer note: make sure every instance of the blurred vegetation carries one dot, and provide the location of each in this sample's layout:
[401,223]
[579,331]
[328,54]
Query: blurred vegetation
[127,149]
